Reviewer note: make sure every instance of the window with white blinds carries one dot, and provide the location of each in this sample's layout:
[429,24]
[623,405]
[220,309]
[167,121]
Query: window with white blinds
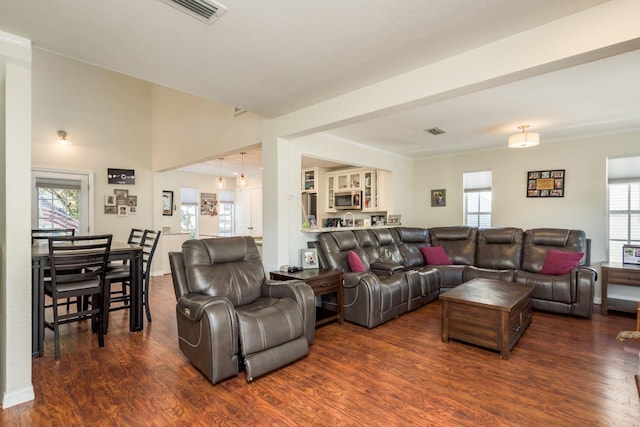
[624,217]
[477,199]
[623,208]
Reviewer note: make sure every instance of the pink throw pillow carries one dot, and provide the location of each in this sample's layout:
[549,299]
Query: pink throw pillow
[355,263]
[435,255]
[558,262]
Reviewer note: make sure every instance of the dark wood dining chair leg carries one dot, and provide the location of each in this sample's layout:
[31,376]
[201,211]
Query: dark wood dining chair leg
[106,303]
[145,300]
[56,329]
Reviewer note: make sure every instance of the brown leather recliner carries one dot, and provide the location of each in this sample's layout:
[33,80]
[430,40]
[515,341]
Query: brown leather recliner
[567,293]
[229,313]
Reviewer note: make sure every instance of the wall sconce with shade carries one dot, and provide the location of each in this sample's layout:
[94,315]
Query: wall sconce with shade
[62,138]
[243,179]
[220,181]
[524,139]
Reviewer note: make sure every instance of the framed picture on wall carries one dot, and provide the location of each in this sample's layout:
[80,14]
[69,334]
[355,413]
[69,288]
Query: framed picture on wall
[121,196]
[546,183]
[438,197]
[167,203]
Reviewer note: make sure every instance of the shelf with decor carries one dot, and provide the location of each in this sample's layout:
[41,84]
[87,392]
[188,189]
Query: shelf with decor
[310,180]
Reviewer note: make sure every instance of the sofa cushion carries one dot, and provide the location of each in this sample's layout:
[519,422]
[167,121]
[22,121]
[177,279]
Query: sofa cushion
[459,242]
[409,241]
[355,263]
[558,262]
[267,323]
[435,255]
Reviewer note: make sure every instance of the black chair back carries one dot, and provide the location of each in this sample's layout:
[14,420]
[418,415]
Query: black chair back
[78,258]
[44,234]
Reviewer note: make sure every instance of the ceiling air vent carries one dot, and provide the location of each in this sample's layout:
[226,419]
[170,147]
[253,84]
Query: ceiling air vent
[205,10]
[435,131]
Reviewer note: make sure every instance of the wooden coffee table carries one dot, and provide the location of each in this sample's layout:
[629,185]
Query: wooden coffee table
[489,313]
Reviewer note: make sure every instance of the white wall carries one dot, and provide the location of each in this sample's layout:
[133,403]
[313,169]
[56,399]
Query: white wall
[15,206]
[583,207]
[108,120]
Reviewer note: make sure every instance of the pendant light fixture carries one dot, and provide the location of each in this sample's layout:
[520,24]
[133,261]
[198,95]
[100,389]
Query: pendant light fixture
[524,139]
[243,179]
[220,180]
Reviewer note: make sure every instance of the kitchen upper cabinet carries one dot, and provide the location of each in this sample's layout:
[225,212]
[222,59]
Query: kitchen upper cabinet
[375,189]
[348,180]
[374,184]
[331,191]
[310,180]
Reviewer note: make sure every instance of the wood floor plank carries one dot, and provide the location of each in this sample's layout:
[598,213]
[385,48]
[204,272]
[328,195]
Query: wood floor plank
[564,371]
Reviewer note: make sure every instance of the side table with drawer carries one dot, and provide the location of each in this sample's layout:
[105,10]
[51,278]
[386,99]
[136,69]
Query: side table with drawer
[619,274]
[323,281]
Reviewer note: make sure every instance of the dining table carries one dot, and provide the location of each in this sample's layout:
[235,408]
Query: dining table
[119,251]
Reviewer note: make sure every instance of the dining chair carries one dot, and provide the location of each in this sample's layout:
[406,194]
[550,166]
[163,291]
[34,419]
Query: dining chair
[122,274]
[135,238]
[42,234]
[78,265]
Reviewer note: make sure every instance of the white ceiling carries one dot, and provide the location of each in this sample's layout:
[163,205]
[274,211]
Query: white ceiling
[276,56]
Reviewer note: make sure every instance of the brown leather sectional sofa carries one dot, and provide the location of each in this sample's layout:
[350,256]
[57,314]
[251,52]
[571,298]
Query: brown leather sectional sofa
[397,278]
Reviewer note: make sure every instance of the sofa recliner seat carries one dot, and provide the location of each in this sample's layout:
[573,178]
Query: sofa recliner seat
[369,299]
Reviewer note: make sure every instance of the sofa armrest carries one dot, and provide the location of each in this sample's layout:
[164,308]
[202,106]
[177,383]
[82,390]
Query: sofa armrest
[589,269]
[192,306]
[583,279]
[304,297]
[208,334]
[386,268]
[352,279]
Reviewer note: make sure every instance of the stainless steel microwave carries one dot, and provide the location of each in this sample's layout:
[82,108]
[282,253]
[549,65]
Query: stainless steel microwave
[348,200]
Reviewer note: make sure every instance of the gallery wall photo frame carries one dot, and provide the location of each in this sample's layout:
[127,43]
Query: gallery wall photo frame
[167,203]
[546,183]
[121,176]
[438,198]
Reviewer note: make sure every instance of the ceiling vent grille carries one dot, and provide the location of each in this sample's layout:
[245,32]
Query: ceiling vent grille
[435,131]
[205,10]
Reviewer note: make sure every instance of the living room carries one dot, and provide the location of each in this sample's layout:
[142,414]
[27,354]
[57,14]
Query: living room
[121,121]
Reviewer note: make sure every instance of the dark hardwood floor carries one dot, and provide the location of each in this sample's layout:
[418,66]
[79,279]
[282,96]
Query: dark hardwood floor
[563,371]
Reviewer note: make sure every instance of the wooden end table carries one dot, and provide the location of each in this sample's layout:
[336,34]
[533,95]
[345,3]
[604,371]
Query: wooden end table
[619,274]
[489,313]
[323,281]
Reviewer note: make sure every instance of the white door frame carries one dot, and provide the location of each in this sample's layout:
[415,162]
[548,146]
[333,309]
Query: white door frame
[86,218]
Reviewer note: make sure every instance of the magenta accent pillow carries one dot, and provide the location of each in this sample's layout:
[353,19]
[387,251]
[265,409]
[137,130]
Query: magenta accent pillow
[435,255]
[355,263]
[558,262]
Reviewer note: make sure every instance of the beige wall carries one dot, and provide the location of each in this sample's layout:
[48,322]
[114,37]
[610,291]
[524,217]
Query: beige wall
[108,119]
[188,129]
[583,207]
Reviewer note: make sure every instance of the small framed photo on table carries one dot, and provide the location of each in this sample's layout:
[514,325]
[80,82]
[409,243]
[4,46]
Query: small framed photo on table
[309,258]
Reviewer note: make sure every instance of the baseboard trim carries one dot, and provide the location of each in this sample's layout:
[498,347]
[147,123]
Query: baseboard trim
[18,397]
